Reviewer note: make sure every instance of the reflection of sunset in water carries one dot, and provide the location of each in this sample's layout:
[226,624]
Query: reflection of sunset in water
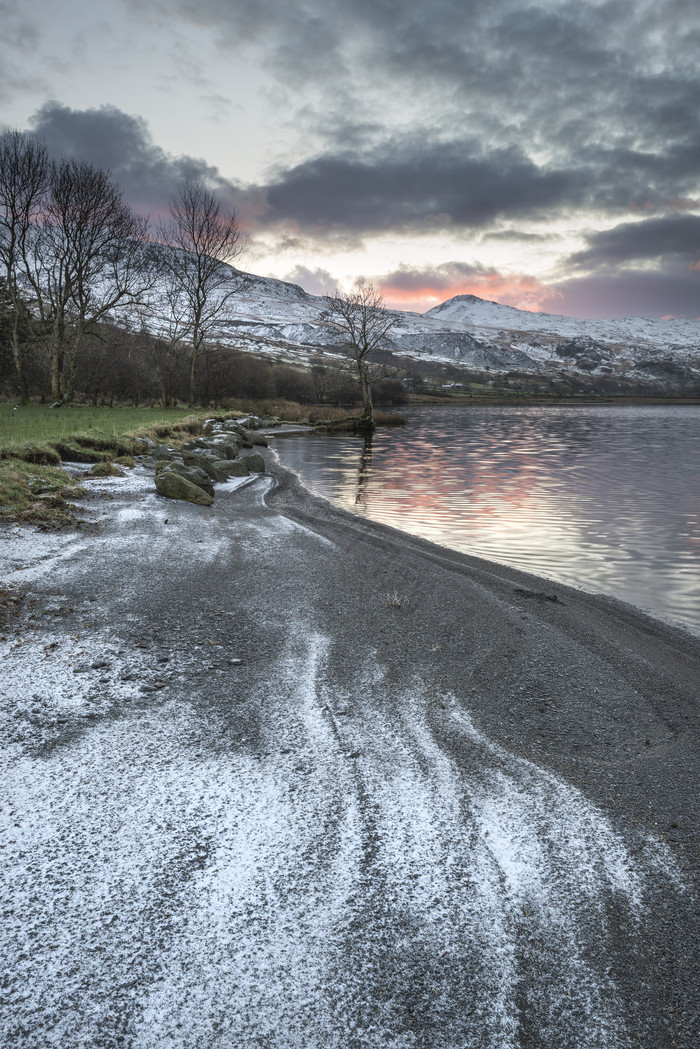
[602,497]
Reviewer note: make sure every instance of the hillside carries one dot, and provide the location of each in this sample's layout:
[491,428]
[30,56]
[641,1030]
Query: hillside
[482,338]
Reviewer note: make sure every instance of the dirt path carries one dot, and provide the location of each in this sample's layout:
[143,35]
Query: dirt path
[335,787]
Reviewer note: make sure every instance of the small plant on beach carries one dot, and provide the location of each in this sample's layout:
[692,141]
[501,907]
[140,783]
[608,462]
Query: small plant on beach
[104,470]
[394,600]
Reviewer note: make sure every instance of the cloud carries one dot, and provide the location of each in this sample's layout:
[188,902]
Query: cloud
[668,238]
[628,293]
[19,39]
[122,143]
[459,113]
[409,187]
[317,281]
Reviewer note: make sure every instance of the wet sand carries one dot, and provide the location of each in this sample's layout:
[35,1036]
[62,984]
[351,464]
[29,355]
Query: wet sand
[276,776]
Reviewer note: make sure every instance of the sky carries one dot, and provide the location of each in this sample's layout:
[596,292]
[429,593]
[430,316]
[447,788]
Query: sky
[543,154]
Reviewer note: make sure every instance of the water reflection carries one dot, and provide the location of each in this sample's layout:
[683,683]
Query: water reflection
[602,497]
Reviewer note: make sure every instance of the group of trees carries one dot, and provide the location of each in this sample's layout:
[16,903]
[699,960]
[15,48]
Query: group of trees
[89,289]
[75,258]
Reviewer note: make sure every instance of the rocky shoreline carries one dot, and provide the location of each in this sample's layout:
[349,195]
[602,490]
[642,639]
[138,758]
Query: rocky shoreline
[191,471]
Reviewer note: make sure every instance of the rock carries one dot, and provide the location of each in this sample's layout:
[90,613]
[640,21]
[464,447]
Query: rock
[204,462]
[219,447]
[234,467]
[229,448]
[169,483]
[144,446]
[257,438]
[190,473]
[165,464]
[255,463]
[163,451]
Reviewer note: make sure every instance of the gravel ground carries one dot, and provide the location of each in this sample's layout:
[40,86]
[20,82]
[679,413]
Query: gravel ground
[276,776]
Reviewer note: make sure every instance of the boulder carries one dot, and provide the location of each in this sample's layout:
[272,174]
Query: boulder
[190,473]
[164,464]
[228,447]
[207,463]
[204,446]
[234,467]
[255,463]
[144,446]
[257,438]
[162,451]
[172,485]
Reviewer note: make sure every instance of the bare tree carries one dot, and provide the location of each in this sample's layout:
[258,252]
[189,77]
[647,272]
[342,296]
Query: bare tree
[362,319]
[166,341]
[87,259]
[24,181]
[201,241]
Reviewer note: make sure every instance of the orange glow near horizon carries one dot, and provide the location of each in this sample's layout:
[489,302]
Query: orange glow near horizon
[525,293]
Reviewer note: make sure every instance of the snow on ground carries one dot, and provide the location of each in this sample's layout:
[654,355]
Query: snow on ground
[292,894]
[356,867]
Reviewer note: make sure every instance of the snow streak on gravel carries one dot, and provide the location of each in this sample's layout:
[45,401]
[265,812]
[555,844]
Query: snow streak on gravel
[343,878]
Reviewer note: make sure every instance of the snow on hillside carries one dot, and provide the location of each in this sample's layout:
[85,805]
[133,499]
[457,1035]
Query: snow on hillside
[272,317]
[471,312]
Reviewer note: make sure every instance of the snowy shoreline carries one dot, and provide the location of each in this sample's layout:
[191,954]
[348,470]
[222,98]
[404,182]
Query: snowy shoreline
[245,798]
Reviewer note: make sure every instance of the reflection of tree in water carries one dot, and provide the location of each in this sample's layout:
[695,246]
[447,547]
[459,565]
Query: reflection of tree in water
[364,472]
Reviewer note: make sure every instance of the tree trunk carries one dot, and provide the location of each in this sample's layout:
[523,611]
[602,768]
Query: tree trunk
[368,415]
[19,372]
[55,374]
[193,375]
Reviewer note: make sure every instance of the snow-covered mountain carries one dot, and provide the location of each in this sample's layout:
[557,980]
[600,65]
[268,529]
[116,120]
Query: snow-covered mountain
[272,317]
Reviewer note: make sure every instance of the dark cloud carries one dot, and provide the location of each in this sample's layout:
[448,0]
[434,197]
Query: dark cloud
[122,144]
[669,239]
[649,267]
[674,291]
[445,186]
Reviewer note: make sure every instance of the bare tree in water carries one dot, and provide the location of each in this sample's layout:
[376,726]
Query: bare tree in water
[363,320]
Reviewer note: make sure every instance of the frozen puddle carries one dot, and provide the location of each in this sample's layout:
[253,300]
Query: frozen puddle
[349,881]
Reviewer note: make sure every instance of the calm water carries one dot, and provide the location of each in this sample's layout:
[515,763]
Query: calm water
[603,498]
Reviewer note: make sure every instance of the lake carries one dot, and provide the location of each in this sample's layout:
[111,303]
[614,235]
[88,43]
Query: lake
[601,497]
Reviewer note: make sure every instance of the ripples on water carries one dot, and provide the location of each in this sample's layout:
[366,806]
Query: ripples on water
[606,498]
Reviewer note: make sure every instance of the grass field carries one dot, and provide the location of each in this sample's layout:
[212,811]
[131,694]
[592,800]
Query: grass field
[38,424]
[36,439]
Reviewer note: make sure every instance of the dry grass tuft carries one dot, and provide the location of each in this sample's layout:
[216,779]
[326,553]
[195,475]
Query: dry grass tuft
[34,494]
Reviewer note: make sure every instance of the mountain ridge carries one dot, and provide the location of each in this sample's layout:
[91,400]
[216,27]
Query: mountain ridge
[277,318]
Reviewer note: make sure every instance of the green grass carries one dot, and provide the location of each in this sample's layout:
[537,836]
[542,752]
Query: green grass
[40,425]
